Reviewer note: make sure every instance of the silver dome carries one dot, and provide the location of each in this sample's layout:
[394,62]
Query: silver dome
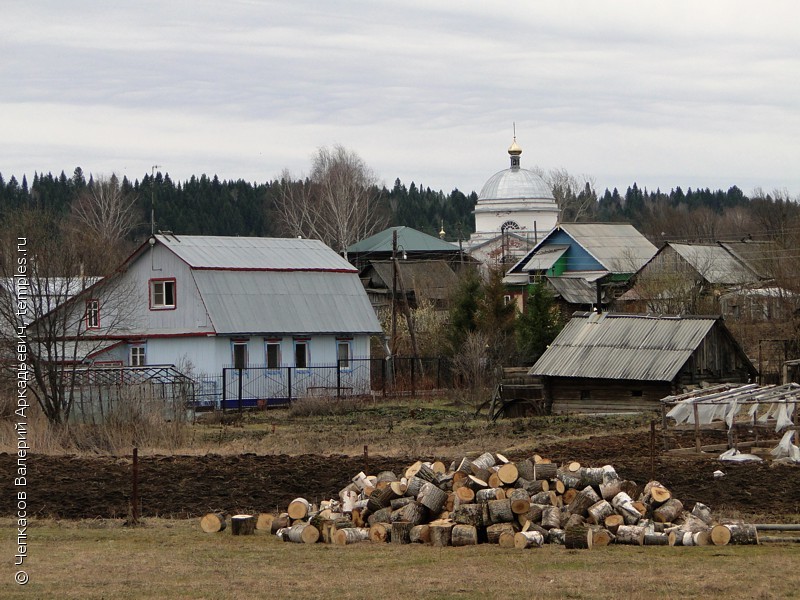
[515,183]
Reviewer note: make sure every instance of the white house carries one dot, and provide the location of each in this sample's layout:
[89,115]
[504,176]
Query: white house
[265,305]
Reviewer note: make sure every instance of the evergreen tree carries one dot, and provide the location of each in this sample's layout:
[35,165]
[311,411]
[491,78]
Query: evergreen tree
[538,325]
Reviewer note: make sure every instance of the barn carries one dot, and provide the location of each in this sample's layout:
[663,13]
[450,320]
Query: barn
[615,362]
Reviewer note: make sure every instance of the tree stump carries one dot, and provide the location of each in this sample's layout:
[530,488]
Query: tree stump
[419,534]
[440,532]
[401,532]
[352,535]
[243,524]
[578,537]
[528,539]
[464,535]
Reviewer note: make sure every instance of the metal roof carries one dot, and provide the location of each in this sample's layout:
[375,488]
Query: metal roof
[409,239]
[431,279]
[623,346]
[286,302]
[516,183]
[545,257]
[619,247]
[254,253]
[576,290]
[715,263]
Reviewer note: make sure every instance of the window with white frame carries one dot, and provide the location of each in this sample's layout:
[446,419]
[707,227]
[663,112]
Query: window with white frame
[138,356]
[162,294]
[239,350]
[92,314]
[343,354]
[301,354]
[273,355]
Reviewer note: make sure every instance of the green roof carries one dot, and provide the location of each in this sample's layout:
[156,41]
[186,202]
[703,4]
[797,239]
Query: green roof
[410,239]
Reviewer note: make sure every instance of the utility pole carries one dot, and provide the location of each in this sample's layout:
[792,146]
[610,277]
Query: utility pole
[153,199]
[394,291]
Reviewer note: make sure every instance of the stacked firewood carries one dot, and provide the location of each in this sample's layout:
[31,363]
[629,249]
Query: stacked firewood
[490,499]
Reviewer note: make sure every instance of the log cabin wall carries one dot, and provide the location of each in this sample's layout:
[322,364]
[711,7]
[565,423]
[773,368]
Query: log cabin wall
[568,394]
[717,359]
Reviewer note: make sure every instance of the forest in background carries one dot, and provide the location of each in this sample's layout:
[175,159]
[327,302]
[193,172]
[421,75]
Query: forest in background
[209,206]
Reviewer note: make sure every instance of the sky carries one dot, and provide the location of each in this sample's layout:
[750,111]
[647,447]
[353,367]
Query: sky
[700,93]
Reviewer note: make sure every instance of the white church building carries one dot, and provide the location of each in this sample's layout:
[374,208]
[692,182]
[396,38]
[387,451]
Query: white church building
[515,210]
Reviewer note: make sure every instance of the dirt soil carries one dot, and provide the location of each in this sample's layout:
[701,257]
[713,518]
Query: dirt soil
[187,486]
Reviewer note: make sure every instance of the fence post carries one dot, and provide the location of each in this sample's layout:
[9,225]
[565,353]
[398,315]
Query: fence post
[338,378]
[289,379]
[224,389]
[240,390]
[413,377]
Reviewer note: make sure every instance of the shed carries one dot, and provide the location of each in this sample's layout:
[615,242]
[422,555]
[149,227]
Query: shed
[615,362]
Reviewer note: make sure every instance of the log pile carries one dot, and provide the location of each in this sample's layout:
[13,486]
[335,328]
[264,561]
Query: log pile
[490,499]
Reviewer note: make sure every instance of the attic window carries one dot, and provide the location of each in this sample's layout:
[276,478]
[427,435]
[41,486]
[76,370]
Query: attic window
[162,294]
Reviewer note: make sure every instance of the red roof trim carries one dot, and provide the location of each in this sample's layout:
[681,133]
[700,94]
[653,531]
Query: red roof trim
[265,269]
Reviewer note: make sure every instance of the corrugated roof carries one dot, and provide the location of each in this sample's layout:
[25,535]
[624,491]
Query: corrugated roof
[286,302]
[432,279]
[715,263]
[623,346]
[619,247]
[757,256]
[545,257]
[254,253]
[576,290]
[410,239]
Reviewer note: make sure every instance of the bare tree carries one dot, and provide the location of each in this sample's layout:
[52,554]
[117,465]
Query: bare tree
[337,203]
[574,194]
[49,305]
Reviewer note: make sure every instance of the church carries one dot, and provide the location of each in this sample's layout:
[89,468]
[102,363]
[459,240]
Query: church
[515,210]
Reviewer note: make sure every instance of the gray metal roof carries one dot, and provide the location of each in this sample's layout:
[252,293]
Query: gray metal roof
[408,240]
[619,247]
[253,253]
[576,290]
[545,257]
[623,346]
[516,183]
[286,302]
[715,263]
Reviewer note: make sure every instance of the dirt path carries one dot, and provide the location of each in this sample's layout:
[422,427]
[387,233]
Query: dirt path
[183,486]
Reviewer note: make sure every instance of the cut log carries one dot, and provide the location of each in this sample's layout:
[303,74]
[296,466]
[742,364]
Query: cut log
[438,467]
[384,515]
[569,479]
[656,539]
[476,483]
[630,534]
[500,511]
[528,539]
[598,512]
[693,524]
[702,538]
[506,539]
[525,469]
[623,505]
[465,466]
[295,533]
[441,532]
[469,514]
[464,535]
[533,486]
[591,476]
[702,512]
[555,536]
[380,532]
[520,501]
[742,533]
[669,511]
[655,493]
[578,537]
[414,513]
[380,498]
[569,495]
[264,521]
[401,532]
[310,534]
[400,502]
[398,487]
[357,517]
[352,535]
[601,536]
[487,494]
[508,473]
[213,522]
[465,495]
[419,534]
[583,500]
[484,461]
[493,481]
[572,521]
[613,522]
[414,486]
[558,486]
[432,498]
[299,508]
[551,518]
[544,471]
[641,507]
[493,532]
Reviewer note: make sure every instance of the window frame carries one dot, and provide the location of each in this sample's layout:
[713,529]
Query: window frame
[142,357]
[348,366]
[92,310]
[306,354]
[240,344]
[272,344]
[152,283]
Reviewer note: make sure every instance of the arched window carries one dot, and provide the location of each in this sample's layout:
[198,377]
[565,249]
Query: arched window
[508,225]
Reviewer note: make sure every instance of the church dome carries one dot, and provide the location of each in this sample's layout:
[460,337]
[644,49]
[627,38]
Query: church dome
[515,184]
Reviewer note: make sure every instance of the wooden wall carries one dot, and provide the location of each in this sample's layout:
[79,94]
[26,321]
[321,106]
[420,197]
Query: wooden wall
[567,394]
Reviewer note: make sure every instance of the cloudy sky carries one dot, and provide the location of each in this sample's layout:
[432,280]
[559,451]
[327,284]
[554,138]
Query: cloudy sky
[690,93]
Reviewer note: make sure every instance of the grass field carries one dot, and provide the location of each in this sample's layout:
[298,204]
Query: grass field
[167,559]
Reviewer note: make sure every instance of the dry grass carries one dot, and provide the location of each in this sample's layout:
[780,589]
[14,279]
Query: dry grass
[174,559]
[398,427]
